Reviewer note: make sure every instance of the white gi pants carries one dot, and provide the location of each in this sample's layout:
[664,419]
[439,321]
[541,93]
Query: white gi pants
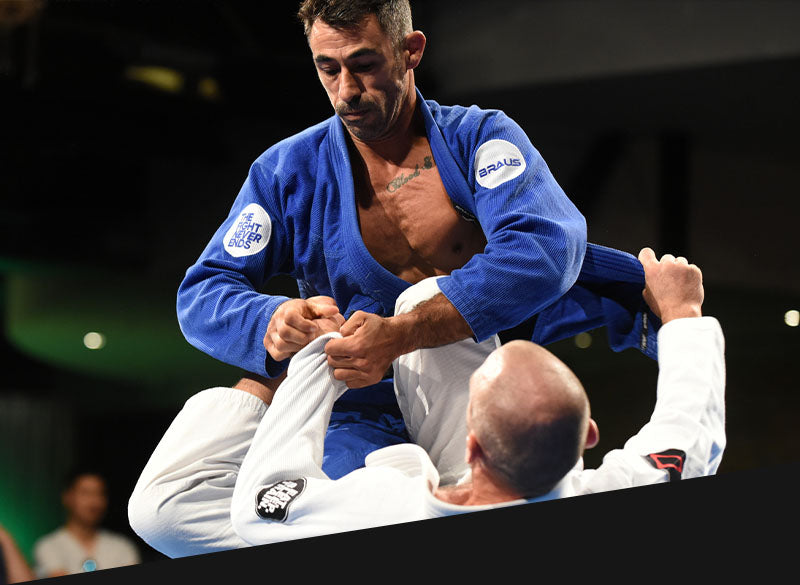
[432,389]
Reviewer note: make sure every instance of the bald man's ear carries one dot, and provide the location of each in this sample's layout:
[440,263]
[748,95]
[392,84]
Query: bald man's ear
[474,450]
[592,435]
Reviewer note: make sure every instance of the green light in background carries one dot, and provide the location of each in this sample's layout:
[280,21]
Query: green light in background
[111,327]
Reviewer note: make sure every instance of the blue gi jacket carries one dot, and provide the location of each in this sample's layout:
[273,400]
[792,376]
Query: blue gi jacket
[296,215]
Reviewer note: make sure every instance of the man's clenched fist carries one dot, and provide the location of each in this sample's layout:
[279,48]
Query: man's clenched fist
[297,322]
[673,287]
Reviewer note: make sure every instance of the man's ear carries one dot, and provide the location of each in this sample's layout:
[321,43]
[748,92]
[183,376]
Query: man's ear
[592,434]
[414,45]
[474,450]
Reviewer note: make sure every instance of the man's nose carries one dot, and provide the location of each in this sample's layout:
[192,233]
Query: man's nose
[349,86]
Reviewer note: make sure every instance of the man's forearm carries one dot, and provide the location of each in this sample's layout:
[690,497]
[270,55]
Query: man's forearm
[432,323]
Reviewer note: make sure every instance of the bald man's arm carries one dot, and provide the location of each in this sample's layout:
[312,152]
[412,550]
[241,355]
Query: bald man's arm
[673,287]
[685,436]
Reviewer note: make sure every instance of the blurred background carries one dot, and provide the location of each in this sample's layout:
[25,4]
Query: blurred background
[127,128]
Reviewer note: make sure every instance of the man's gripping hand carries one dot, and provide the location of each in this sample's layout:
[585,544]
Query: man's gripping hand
[673,287]
[297,322]
[371,343]
[368,346]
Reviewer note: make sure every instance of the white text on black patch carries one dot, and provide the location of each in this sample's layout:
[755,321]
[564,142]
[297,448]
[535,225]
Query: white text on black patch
[272,503]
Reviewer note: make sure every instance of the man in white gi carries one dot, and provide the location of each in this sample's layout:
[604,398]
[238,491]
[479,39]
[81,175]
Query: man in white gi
[234,471]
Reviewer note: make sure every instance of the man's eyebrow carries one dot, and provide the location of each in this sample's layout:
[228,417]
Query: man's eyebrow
[363,53]
[354,55]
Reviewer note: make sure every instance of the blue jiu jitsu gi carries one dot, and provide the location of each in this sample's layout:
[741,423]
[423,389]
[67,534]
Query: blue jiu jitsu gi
[296,214]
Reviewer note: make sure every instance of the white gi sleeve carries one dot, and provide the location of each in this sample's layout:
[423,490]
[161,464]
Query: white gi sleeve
[282,493]
[685,436]
[181,503]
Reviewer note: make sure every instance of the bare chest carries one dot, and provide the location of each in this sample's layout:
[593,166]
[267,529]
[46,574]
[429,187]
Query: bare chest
[408,222]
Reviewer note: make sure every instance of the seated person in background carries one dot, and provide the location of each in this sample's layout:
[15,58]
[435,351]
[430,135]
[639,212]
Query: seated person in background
[81,544]
[234,471]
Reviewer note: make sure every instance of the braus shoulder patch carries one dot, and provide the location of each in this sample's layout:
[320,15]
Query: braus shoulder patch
[498,161]
[672,460]
[272,503]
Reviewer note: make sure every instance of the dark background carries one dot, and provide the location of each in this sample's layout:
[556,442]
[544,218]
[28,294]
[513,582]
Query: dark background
[127,128]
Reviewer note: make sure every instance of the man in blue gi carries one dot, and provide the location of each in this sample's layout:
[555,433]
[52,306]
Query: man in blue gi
[390,191]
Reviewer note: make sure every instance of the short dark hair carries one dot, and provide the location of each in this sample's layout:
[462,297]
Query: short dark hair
[77,471]
[533,460]
[394,16]
[530,420]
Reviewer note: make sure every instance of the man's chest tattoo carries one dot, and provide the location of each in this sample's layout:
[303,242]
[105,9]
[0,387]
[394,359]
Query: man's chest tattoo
[397,183]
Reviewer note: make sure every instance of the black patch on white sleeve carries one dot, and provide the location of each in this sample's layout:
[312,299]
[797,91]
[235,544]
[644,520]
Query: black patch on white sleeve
[272,503]
[672,460]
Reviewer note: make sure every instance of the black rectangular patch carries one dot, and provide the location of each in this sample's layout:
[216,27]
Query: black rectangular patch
[272,503]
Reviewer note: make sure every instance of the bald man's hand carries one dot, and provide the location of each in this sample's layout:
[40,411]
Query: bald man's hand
[673,287]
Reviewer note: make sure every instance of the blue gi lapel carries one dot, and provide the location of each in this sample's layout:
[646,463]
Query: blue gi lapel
[380,287]
[455,183]
[607,292]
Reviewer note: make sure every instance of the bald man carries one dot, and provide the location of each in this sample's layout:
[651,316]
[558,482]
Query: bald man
[526,423]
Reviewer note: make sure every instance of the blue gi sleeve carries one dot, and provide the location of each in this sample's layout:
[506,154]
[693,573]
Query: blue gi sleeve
[220,309]
[536,236]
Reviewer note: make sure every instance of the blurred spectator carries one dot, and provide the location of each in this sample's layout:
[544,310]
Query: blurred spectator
[13,566]
[81,545]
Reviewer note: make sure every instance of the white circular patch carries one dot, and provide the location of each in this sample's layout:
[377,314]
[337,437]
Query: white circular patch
[249,233]
[496,162]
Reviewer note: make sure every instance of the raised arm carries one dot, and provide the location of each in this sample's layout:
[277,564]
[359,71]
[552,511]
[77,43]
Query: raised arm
[685,436]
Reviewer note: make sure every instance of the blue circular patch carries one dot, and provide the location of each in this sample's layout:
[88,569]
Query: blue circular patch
[89,565]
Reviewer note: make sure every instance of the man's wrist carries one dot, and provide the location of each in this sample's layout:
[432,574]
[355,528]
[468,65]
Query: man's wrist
[433,323]
[682,312]
[403,328]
